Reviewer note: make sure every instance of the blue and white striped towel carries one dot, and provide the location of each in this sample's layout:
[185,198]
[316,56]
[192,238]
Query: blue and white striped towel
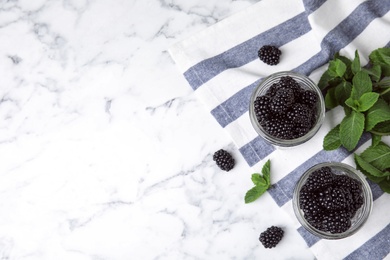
[221,65]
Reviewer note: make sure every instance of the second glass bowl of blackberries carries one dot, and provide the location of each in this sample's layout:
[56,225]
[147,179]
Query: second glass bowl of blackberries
[287,109]
[332,200]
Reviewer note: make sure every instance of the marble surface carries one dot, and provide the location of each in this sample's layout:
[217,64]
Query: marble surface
[105,151]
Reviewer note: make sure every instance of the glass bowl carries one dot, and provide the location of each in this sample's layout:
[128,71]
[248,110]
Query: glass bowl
[306,84]
[359,218]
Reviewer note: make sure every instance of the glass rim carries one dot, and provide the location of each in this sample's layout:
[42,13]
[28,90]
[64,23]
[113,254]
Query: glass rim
[367,205]
[286,142]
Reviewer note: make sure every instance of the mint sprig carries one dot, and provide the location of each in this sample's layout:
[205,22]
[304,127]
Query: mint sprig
[364,93]
[262,183]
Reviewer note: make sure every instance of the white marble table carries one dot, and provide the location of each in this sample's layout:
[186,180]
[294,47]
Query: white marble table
[105,153]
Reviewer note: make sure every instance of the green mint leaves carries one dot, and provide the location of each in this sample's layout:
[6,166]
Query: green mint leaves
[364,93]
[374,162]
[351,129]
[262,183]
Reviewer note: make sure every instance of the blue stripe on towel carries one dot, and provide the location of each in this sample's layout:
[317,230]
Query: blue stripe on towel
[311,6]
[309,238]
[246,52]
[282,191]
[256,150]
[345,32]
[376,248]
[235,106]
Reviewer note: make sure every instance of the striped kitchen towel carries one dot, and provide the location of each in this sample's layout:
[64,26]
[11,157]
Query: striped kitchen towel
[222,67]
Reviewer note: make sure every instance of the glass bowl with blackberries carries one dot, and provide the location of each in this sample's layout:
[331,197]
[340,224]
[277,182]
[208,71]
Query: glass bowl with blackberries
[287,109]
[332,200]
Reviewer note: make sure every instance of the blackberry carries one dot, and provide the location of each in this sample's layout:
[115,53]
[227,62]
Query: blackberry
[224,160]
[309,98]
[272,90]
[354,187]
[271,237]
[318,179]
[283,99]
[269,54]
[336,198]
[261,106]
[300,114]
[336,222]
[278,127]
[291,83]
[329,201]
[285,110]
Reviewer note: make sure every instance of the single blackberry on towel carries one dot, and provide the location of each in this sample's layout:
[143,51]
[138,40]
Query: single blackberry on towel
[283,99]
[261,107]
[271,236]
[309,98]
[269,54]
[224,160]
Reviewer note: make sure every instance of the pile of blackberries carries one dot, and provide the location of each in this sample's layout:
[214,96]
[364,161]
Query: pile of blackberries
[286,111]
[329,201]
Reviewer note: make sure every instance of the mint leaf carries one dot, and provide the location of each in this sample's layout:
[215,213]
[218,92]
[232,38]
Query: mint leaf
[330,99]
[367,100]
[332,139]
[266,171]
[379,112]
[257,179]
[386,95]
[375,139]
[381,57]
[254,193]
[370,171]
[352,103]
[355,66]
[324,80]
[375,72]
[351,129]
[347,110]
[343,91]
[348,72]
[262,183]
[337,68]
[385,185]
[378,156]
[382,128]
[361,84]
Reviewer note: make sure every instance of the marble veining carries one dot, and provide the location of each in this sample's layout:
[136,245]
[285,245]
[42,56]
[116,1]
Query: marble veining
[105,152]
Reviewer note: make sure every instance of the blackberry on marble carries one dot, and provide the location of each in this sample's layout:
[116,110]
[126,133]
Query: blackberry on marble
[224,160]
[271,236]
